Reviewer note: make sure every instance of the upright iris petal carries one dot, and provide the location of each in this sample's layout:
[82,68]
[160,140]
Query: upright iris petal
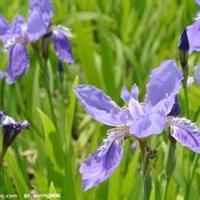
[62,47]
[126,95]
[45,7]
[101,164]
[18,63]
[164,83]
[36,27]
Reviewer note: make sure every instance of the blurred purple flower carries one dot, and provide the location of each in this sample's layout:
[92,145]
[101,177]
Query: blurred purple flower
[58,34]
[197,2]
[190,38]
[44,7]
[17,35]
[11,129]
[138,120]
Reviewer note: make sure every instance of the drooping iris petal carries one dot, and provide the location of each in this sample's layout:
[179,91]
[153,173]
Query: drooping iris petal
[148,124]
[36,26]
[197,74]
[101,164]
[126,95]
[135,109]
[164,84]
[62,47]
[193,34]
[18,63]
[98,105]
[4,26]
[186,132]
[45,7]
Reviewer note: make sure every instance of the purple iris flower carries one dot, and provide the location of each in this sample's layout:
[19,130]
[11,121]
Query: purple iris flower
[17,35]
[190,38]
[58,34]
[11,129]
[135,119]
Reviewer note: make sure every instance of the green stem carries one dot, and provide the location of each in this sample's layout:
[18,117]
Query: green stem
[170,165]
[185,72]
[145,171]
[184,65]
[43,65]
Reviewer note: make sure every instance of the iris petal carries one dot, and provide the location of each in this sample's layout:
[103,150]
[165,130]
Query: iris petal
[193,35]
[126,95]
[148,124]
[18,63]
[36,27]
[101,164]
[185,132]
[164,84]
[135,109]
[43,6]
[98,105]
[62,47]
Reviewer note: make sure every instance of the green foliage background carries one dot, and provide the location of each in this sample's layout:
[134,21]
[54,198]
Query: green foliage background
[115,43]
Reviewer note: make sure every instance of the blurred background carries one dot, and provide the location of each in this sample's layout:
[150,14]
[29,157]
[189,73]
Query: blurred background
[115,43]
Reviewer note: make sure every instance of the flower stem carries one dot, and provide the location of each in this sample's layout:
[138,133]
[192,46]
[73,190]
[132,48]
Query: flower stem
[170,164]
[146,191]
[43,65]
[184,65]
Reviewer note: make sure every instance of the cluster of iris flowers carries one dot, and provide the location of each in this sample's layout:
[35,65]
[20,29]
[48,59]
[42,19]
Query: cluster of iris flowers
[19,34]
[16,37]
[140,120]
